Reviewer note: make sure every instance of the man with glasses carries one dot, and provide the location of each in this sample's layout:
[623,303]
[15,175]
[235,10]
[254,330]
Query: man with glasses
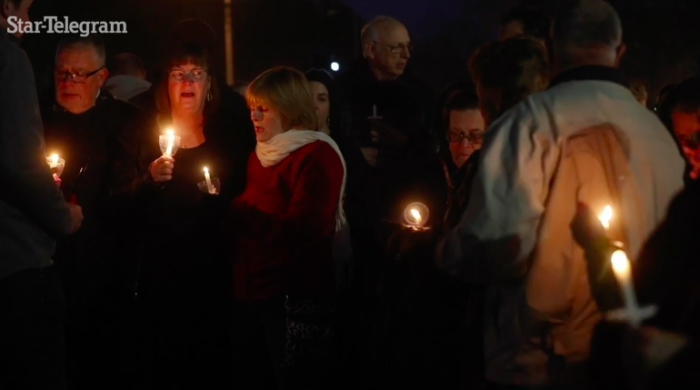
[95,134]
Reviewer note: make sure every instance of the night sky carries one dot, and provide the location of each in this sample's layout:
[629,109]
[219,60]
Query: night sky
[662,35]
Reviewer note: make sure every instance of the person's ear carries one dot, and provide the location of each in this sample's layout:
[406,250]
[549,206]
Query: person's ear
[368,50]
[619,52]
[102,76]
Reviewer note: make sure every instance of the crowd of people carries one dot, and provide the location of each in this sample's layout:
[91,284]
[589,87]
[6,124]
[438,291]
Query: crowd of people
[302,231]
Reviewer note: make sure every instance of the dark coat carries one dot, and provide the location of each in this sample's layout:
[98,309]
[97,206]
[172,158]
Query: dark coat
[102,143]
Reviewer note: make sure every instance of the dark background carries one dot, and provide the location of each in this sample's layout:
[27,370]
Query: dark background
[663,35]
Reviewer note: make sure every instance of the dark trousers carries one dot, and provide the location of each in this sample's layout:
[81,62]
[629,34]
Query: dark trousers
[286,345]
[31,331]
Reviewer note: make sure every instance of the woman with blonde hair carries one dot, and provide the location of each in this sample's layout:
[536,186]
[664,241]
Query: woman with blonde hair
[283,225]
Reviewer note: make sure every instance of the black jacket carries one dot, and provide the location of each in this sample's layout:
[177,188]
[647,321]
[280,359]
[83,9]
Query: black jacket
[32,211]
[103,143]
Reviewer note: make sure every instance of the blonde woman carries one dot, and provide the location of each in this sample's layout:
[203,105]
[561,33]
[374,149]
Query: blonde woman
[283,227]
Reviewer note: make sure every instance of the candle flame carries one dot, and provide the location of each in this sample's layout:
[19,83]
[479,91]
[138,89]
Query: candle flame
[620,263]
[416,215]
[606,216]
[54,158]
[170,132]
[206,170]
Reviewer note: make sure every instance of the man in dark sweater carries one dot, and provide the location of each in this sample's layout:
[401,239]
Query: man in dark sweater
[97,136]
[33,214]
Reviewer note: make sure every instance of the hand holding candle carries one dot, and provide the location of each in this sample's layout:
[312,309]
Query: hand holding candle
[56,164]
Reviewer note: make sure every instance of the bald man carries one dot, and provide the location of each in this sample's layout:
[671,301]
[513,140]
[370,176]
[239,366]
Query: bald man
[585,139]
[390,111]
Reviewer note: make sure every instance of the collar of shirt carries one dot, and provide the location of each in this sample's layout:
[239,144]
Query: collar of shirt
[590,72]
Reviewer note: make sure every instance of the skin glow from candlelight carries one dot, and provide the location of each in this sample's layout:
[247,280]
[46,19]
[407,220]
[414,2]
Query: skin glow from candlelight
[606,216]
[620,264]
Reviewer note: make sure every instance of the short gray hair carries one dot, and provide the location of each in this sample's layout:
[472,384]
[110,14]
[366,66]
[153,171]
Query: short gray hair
[584,22]
[370,31]
[92,41]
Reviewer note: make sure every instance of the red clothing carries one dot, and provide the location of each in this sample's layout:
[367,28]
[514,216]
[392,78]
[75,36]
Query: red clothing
[283,225]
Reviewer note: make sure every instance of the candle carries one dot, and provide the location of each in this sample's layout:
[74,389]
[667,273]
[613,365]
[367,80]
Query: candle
[606,216]
[207,178]
[53,163]
[374,110]
[416,216]
[623,273]
[171,140]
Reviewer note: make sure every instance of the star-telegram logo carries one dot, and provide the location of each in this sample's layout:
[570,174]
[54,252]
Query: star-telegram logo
[52,25]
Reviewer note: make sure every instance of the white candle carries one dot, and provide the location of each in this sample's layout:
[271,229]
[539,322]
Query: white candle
[171,141]
[54,161]
[416,215]
[606,216]
[210,187]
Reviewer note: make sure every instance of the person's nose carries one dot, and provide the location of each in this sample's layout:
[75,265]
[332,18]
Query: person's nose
[255,115]
[406,53]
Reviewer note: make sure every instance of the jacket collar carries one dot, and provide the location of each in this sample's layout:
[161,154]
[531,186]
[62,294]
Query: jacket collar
[590,72]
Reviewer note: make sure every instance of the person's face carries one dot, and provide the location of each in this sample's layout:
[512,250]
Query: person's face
[21,13]
[465,133]
[188,86]
[79,74]
[390,53]
[514,28]
[267,122]
[686,127]
[322,103]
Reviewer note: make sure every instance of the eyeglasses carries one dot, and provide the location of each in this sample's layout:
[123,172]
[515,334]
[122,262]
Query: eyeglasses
[75,77]
[395,49]
[476,138]
[196,74]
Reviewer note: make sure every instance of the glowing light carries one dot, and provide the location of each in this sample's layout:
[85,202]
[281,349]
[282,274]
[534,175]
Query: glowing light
[54,158]
[416,216]
[606,216]
[335,66]
[171,140]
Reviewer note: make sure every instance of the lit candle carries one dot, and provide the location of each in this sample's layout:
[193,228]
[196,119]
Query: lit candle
[171,140]
[416,216]
[606,216]
[623,273]
[54,161]
[210,187]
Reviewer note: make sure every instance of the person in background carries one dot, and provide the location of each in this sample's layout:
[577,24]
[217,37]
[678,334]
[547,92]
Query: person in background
[184,280]
[639,90]
[95,134]
[514,236]
[282,230]
[33,215]
[525,22]
[127,77]
[240,87]
[680,112]
[506,72]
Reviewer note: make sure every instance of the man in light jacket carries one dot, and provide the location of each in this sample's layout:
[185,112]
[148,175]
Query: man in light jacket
[585,139]
[33,214]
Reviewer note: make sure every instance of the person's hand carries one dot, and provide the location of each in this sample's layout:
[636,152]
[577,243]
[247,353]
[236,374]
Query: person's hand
[659,346]
[386,135]
[161,170]
[76,215]
[370,155]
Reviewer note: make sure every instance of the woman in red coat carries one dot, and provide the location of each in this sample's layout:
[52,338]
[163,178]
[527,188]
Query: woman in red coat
[283,227]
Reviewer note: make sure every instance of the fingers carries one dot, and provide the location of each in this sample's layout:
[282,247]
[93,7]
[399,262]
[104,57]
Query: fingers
[162,169]
[375,136]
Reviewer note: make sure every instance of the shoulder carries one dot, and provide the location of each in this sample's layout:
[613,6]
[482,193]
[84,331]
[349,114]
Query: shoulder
[319,152]
[13,60]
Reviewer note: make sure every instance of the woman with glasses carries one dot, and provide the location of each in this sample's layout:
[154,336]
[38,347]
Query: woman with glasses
[182,280]
[283,228]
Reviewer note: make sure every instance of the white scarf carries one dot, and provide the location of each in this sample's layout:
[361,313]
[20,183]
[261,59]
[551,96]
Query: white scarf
[276,149]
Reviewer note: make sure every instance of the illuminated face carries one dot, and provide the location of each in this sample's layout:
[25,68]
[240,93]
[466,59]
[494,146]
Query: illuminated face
[267,122]
[188,86]
[466,134]
[686,127]
[78,75]
[389,55]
